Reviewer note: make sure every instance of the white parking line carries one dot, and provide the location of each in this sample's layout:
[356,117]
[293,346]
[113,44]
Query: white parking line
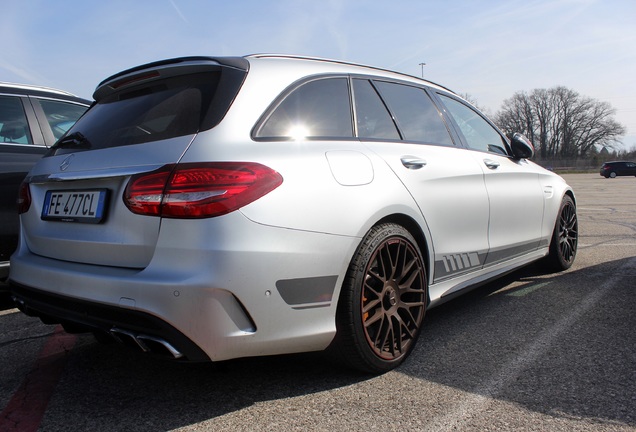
[606,244]
[8,311]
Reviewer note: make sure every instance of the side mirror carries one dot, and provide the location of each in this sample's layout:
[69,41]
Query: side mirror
[522,148]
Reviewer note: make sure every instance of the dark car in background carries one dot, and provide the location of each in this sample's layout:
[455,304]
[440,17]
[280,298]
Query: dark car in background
[618,168]
[31,120]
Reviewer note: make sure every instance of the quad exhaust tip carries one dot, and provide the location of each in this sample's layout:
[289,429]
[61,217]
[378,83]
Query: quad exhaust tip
[148,344]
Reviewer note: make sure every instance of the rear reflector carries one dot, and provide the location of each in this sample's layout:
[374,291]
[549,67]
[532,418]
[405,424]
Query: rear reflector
[199,190]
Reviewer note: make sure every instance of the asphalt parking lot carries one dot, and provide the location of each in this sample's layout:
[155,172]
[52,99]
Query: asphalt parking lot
[530,352]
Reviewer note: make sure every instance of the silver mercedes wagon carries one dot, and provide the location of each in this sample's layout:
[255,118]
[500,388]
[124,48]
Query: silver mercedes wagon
[209,208]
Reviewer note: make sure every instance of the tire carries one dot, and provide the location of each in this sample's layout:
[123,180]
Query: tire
[564,238]
[383,301]
[612,174]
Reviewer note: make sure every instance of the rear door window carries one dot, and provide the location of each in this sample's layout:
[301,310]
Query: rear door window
[416,115]
[14,127]
[373,120]
[318,109]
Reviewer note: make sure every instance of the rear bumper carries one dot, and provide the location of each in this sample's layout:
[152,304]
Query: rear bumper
[90,316]
[220,290]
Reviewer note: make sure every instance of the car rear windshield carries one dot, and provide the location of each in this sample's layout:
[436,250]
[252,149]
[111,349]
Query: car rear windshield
[159,110]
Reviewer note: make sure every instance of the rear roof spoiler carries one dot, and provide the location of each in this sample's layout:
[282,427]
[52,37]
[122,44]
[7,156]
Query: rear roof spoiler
[163,68]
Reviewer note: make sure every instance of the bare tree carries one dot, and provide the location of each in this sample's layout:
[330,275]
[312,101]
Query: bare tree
[518,116]
[542,108]
[469,98]
[560,122]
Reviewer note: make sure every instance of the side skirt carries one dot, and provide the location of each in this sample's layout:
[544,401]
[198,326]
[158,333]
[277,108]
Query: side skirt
[448,289]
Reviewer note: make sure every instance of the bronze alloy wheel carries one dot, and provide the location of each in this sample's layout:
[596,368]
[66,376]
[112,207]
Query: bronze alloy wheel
[393,298]
[383,301]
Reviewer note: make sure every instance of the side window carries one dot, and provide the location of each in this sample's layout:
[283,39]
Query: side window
[416,115]
[61,115]
[317,109]
[14,127]
[372,118]
[479,134]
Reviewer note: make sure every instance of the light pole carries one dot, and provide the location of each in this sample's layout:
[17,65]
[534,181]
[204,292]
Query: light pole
[422,64]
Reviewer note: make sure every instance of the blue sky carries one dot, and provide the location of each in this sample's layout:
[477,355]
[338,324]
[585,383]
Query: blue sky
[488,49]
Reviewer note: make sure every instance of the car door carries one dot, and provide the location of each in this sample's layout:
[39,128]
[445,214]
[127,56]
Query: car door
[444,179]
[514,191]
[625,168]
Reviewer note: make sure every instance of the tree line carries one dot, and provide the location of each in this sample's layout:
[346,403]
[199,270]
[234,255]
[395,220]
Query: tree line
[561,123]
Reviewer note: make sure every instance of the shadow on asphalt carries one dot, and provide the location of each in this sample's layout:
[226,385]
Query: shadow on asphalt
[5,299]
[114,386]
[568,361]
[586,371]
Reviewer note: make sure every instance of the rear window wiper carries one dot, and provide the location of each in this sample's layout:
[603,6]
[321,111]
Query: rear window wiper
[73,141]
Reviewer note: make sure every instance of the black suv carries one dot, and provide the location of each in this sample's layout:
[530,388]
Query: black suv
[31,120]
[618,168]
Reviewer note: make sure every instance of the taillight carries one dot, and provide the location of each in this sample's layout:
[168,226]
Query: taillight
[199,190]
[24,198]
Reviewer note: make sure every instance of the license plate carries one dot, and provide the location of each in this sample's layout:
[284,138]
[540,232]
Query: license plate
[87,206]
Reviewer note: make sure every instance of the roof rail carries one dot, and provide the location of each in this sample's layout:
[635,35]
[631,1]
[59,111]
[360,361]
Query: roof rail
[35,87]
[343,62]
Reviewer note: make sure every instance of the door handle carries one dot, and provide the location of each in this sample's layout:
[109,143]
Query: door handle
[491,164]
[412,163]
